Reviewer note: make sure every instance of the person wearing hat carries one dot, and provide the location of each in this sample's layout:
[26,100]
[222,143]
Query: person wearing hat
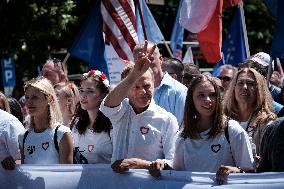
[262,63]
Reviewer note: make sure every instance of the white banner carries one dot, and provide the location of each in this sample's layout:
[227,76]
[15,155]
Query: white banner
[102,176]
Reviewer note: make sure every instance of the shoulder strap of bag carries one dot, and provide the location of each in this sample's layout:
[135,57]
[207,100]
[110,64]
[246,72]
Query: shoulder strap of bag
[24,139]
[227,132]
[55,139]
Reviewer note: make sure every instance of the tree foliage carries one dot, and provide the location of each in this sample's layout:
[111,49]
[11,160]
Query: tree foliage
[33,30]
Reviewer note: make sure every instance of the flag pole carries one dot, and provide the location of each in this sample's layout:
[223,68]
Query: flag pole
[168,48]
[141,18]
[66,58]
[64,62]
[241,4]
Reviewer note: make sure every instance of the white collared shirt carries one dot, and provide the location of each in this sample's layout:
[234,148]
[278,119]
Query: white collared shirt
[171,95]
[10,129]
[149,135]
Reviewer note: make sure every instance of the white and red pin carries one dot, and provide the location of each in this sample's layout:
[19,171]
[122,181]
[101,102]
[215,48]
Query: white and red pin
[144,130]
[90,147]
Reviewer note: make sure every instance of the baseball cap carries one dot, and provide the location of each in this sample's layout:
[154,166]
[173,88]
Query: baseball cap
[261,58]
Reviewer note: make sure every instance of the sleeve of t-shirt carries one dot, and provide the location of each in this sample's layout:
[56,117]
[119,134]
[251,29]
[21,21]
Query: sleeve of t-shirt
[178,163]
[240,146]
[61,131]
[14,129]
[169,138]
[116,113]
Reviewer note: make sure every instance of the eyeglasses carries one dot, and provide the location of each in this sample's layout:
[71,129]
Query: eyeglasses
[189,76]
[224,78]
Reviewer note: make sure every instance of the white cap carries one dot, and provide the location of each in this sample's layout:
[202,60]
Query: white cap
[261,58]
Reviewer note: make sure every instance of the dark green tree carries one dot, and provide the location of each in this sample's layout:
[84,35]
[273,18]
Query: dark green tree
[34,30]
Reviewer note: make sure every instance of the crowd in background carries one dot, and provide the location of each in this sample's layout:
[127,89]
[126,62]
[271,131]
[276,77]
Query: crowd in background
[162,115]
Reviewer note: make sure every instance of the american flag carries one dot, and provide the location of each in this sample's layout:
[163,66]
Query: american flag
[119,26]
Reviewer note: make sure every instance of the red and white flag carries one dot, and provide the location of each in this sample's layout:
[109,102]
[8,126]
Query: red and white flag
[119,26]
[205,18]
[196,14]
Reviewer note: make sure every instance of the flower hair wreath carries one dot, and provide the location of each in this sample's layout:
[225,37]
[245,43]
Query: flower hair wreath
[96,73]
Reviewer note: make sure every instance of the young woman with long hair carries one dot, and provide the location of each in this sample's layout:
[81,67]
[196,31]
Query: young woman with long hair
[46,140]
[202,145]
[92,129]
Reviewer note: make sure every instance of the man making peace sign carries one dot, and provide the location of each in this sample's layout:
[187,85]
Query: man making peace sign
[142,131]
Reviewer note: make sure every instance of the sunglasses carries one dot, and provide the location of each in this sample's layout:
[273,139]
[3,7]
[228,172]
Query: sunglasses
[224,78]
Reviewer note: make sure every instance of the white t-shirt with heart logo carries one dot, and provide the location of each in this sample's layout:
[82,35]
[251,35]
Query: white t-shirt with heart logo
[39,148]
[207,155]
[95,147]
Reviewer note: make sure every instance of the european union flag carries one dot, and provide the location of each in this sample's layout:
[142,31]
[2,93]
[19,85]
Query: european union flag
[89,44]
[235,47]
[276,7]
[177,35]
[153,31]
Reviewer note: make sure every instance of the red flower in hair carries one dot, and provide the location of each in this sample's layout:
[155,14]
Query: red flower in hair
[103,76]
[91,72]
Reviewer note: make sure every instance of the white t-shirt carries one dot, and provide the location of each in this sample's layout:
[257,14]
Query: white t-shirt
[95,147]
[39,148]
[206,155]
[150,135]
[10,128]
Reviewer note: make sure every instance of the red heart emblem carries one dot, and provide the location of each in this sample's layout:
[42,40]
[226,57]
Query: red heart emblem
[216,148]
[45,145]
[144,130]
[90,147]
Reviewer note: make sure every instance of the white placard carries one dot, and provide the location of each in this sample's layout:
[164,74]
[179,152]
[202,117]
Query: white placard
[115,65]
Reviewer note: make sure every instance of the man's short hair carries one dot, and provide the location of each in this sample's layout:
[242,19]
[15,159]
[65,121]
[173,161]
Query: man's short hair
[228,67]
[191,69]
[129,67]
[173,64]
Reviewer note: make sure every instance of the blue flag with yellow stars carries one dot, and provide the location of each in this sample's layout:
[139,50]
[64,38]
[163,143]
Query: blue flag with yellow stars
[235,48]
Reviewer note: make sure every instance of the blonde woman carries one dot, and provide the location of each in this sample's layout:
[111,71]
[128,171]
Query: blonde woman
[4,105]
[46,141]
[249,102]
[68,96]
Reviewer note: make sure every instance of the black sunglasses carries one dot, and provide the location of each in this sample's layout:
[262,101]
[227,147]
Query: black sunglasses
[224,78]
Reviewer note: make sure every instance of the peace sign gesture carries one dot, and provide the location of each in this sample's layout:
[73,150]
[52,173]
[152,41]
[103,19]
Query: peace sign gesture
[143,59]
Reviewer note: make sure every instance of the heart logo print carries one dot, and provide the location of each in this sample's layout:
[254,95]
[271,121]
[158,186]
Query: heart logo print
[144,130]
[216,148]
[90,147]
[45,145]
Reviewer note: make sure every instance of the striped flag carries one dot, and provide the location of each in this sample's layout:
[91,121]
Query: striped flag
[119,26]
